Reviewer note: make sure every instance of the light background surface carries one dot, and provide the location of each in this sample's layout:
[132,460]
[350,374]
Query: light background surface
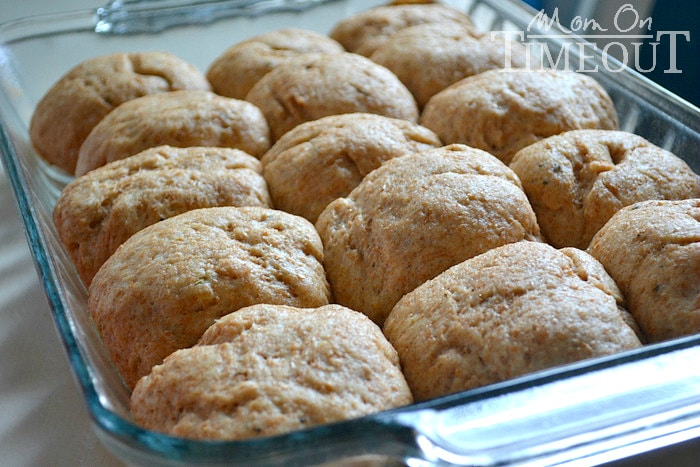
[43,420]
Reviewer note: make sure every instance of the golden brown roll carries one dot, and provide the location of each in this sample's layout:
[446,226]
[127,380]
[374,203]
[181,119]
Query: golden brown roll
[366,31]
[513,310]
[577,180]
[319,161]
[82,97]
[179,119]
[416,216]
[312,86]
[98,211]
[239,67]
[169,282]
[266,370]
[652,250]
[503,111]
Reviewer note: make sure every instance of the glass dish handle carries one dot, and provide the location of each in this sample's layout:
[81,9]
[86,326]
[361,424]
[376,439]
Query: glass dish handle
[580,416]
[149,16]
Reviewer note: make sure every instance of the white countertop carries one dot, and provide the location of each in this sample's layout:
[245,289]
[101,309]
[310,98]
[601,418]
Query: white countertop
[44,421]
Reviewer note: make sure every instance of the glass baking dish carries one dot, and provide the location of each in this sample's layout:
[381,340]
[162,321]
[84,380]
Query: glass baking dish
[592,411]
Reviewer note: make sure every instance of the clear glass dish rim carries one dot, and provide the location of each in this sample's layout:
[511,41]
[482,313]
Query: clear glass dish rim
[156,444]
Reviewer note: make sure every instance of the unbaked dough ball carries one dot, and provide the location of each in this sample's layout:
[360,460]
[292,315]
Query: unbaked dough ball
[179,119]
[239,67]
[100,210]
[366,31]
[82,97]
[312,86]
[430,57]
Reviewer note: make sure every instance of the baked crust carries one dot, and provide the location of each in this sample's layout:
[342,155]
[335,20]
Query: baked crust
[82,97]
[179,119]
[266,370]
[502,111]
[513,310]
[577,180]
[100,210]
[169,282]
